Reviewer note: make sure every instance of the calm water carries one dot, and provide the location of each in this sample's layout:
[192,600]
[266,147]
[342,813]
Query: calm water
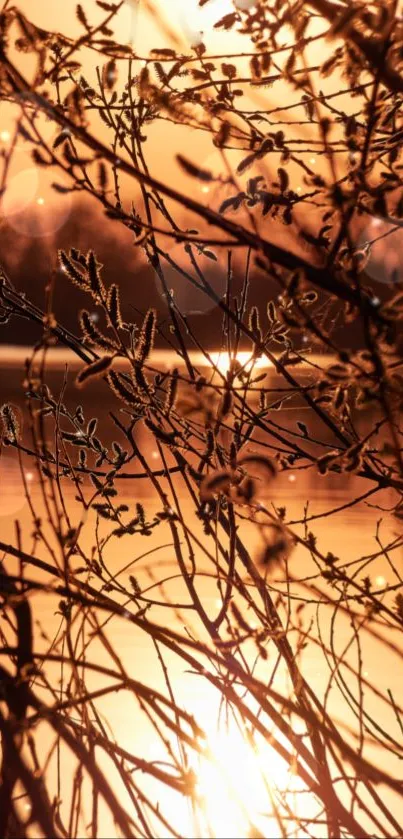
[350,534]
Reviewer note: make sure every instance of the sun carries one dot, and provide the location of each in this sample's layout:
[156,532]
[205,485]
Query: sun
[237,786]
[231,789]
[221,361]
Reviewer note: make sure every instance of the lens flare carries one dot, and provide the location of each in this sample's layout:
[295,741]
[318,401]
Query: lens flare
[31,207]
[382,240]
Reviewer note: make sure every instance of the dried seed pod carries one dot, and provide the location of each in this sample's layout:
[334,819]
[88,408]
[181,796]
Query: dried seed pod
[121,389]
[146,338]
[172,391]
[340,398]
[225,405]
[97,368]
[222,135]
[141,384]
[271,312]
[233,455]
[10,422]
[214,483]
[113,305]
[94,277]
[254,325]
[325,461]
[92,334]
[259,460]
[246,490]
[193,170]
[72,272]
[167,437]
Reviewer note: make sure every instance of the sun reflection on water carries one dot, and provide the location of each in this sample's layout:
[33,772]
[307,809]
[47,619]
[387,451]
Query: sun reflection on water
[239,786]
[222,361]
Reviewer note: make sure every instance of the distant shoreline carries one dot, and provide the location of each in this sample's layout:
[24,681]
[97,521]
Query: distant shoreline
[13,356]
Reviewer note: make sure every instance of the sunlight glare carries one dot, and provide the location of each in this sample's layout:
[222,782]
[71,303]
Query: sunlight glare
[235,788]
[23,204]
[221,361]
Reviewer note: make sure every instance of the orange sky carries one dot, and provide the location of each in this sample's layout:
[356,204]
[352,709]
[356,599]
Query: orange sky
[185,19]
[140,28]
[164,139]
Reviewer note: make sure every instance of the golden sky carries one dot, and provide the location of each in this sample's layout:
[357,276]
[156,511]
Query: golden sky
[145,24]
[137,24]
